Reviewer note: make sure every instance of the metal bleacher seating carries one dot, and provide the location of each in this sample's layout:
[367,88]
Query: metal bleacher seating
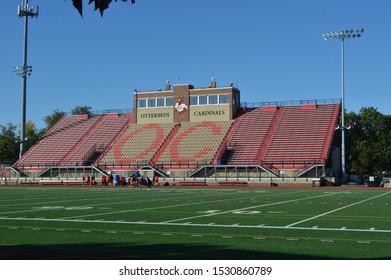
[303,135]
[58,142]
[137,145]
[195,143]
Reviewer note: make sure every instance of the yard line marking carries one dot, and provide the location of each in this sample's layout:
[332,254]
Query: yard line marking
[199,225]
[336,210]
[45,202]
[259,238]
[251,207]
[161,207]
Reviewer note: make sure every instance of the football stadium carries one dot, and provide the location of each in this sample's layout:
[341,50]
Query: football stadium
[227,180]
[194,137]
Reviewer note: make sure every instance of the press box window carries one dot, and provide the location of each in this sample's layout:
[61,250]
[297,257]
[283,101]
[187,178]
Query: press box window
[169,102]
[142,103]
[152,102]
[223,99]
[193,100]
[213,99]
[202,100]
[160,102]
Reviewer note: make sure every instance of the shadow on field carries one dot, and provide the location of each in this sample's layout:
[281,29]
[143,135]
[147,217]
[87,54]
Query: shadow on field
[113,251]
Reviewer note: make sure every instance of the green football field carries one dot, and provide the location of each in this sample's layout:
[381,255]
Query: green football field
[268,223]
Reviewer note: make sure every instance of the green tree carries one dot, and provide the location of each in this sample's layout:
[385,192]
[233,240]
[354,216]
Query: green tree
[9,145]
[100,5]
[52,119]
[81,110]
[368,142]
[33,134]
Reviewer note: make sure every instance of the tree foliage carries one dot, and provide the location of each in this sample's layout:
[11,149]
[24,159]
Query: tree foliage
[81,110]
[33,134]
[10,142]
[100,5]
[9,147]
[368,142]
[52,119]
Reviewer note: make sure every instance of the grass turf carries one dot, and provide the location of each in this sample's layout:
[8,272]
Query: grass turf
[83,223]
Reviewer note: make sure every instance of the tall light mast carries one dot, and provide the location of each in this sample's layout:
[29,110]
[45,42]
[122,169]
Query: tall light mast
[24,10]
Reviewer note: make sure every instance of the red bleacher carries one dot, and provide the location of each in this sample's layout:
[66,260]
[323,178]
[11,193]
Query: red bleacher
[71,138]
[102,134]
[249,135]
[195,143]
[303,135]
[138,144]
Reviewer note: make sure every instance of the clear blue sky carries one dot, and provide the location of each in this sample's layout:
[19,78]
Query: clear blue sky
[272,50]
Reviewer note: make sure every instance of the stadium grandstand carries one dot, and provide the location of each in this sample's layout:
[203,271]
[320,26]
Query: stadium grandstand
[194,135]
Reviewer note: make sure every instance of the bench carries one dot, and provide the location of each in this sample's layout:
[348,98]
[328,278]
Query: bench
[192,183]
[59,182]
[28,183]
[232,183]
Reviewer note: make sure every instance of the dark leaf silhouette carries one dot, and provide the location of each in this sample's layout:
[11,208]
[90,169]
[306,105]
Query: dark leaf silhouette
[100,5]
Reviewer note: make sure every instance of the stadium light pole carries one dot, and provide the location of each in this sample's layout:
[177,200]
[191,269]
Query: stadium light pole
[25,70]
[342,35]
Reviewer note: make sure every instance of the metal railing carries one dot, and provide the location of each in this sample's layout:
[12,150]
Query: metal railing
[290,103]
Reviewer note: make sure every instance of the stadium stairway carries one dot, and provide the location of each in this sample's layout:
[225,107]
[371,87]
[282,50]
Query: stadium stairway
[249,135]
[164,144]
[137,145]
[96,140]
[195,143]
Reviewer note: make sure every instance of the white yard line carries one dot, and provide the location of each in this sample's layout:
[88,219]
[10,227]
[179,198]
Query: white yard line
[195,225]
[168,206]
[81,200]
[71,199]
[251,207]
[336,210]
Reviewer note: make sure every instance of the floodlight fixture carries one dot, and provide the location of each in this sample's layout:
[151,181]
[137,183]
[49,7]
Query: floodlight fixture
[23,71]
[342,35]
